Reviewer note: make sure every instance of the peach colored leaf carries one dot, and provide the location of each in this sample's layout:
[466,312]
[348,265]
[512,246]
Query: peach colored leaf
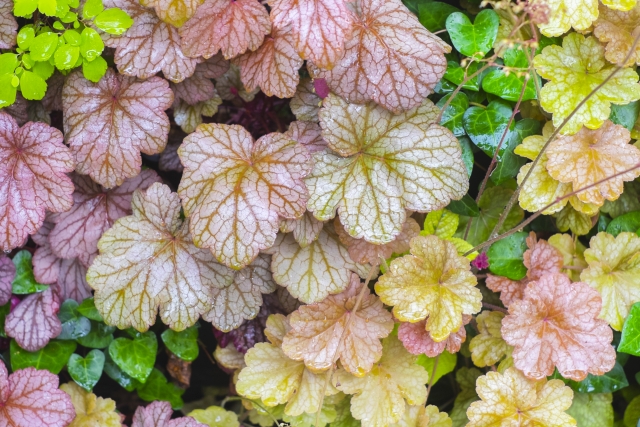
[229,358]
[158,414]
[572,251]
[419,160]
[230,86]
[238,294]
[364,252]
[564,14]
[8,25]
[33,164]
[390,58]
[7,273]
[30,398]
[234,189]
[230,27]
[91,410]
[273,66]
[614,271]
[305,229]
[417,340]
[541,258]
[574,71]
[108,123]
[95,209]
[174,12]
[618,30]
[188,117]
[169,160]
[556,325]
[305,104]
[590,156]
[323,332]
[394,382]
[148,262]
[432,281]
[35,321]
[488,348]
[149,46]
[313,272]
[510,399]
[421,416]
[199,87]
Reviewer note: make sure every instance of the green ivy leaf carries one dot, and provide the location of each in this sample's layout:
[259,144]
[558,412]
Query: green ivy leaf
[452,116]
[625,115]
[506,256]
[183,344]
[135,357]
[613,380]
[74,325]
[91,45]
[66,56]
[627,222]
[43,46]
[100,336]
[433,15]
[466,206]
[7,91]
[92,8]
[630,340]
[158,388]
[116,374]
[24,282]
[25,37]
[485,126]
[113,21]
[456,74]
[510,163]
[88,309]
[632,413]
[467,153]
[473,39]
[446,363]
[94,70]
[86,371]
[509,86]
[32,86]
[53,357]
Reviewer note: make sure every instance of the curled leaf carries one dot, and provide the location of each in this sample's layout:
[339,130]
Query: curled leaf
[174,12]
[572,253]
[417,340]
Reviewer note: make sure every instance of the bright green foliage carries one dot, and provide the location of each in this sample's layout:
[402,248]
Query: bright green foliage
[486,127]
[88,309]
[506,256]
[473,39]
[53,357]
[86,371]
[452,116]
[118,375]
[136,356]
[183,344]
[627,222]
[158,388]
[592,409]
[507,83]
[100,336]
[24,282]
[630,341]
[446,363]
[433,15]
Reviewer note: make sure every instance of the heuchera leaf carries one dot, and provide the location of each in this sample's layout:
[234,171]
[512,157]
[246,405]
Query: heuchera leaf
[556,324]
[8,25]
[572,251]
[234,189]
[174,12]
[149,46]
[189,117]
[614,268]
[318,28]
[305,103]
[169,160]
[368,144]
[34,321]
[199,87]
[488,348]
[158,414]
[510,398]
[417,340]
[617,29]
[590,156]
[466,379]
[90,409]
[108,123]
[273,66]
[7,273]
[564,14]
[432,281]
[30,397]
[395,382]
[232,28]
[574,71]
[215,416]
[324,332]
[398,73]
[33,164]
[230,86]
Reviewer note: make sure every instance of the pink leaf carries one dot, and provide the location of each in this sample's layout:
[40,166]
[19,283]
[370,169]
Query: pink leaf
[7,273]
[308,134]
[169,160]
[108,123]
[481,262]
[33,163]
[149,46]
[8,25]
[34,321]
[158,414]
[319,27]
[199,87]
[321,88]
[417,340]
[30,398]
[390,58]
[229,26]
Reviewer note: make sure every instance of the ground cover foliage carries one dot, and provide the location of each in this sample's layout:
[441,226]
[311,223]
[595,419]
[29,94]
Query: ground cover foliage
[319,213]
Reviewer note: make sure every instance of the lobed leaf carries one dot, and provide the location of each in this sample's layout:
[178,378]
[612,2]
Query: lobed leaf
[174,12]
[90,409]
[158,414]
[34,321]
[618,30]
[305,103]
[488,348]
[7,273]
[417,340]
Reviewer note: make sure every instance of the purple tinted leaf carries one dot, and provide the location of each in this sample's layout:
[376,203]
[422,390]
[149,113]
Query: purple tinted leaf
[7,273]
[34,321]
[158,414]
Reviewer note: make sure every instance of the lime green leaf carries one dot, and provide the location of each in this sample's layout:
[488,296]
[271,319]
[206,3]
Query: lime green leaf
[157,388]
[66,56]
[7,91]
[630,341]
[95,69]
[43,46]
[86,371]
[485,126]
[4,310]
[100,336]
[433,15]
[92,8]
[72,37]
[465,206]
[452,116]
[74,325]
[477,38]
[52,357]
[8,63]
[88,309]
[91,45]
[43,69]
[25,37]
[24,8]
[509,86]
[135,357]
[446,363]
[183,344]
[506,256]
[32,86]
[113,21]
[119,376]
[442,223]
[632,413]
[24,282]
[627,222]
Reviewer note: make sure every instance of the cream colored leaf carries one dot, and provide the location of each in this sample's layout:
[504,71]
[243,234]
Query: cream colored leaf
[91,410]
[305,230]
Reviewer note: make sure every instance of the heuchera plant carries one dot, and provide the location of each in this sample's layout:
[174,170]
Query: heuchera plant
[328,213]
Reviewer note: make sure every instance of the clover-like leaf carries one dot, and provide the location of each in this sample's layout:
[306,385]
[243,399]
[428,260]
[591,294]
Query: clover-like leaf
[574,71]
[158,414]
[618,30]
[234,189]
[273,66]
[510,398]
[488,348]
[8,25]
[390,58]
[417,340]
[305,103]
[614,268]
[148,262]
[432,281]
[108,123]
[34,321]
[556,325]
[333,329]
[590,156]
[174,12]
[232,28]
[369,145]
[149,46]
[91,410]
[33,163]
[7,273]
[395,382]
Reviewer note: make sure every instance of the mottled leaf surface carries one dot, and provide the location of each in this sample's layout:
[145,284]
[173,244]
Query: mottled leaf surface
[158,414]
[34,321]
[8,25]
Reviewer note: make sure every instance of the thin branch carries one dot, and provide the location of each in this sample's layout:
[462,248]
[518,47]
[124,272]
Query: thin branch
[433,374]
[495,308]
